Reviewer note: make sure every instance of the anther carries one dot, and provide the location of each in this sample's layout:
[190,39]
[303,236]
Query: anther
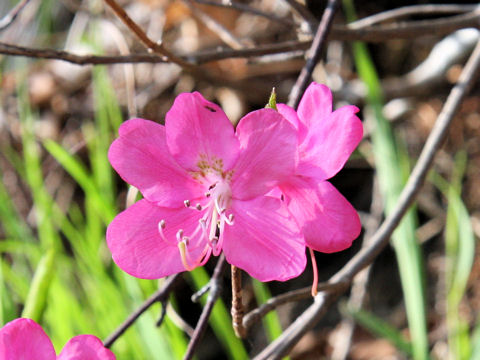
[187,203]
[180,235]
[231,217]
[198,207]
[207,194]
[161,224]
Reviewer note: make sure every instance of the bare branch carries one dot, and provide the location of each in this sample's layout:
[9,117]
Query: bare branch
[214,294]
[8,19]
[237,304]
[313,54]
[160,295]
[411,10]
[151,45]
[379,240]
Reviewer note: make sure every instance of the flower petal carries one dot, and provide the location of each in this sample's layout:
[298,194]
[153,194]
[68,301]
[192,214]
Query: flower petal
[328,221]
[264,240]
[140,155]
[199,131]
[315,105]
[329,143]
[268,147]
[85,347]
[137,248]
[25,339]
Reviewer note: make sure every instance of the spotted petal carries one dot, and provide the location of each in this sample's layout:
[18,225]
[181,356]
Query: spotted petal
[199,133]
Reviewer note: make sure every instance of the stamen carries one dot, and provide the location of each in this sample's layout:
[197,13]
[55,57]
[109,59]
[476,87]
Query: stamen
[315,273]
[187,203]
[183,255]
[180,235]
[198,207]
[161,226]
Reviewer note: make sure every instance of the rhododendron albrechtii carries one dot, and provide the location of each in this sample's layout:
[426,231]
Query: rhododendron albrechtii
[204,188]
[326,140]
[24,339]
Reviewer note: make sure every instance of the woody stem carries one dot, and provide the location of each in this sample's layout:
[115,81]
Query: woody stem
[237,305]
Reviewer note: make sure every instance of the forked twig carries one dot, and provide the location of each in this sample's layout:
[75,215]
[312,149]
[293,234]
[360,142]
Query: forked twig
[379,240]
[213,295]
[160,295]
[151,45]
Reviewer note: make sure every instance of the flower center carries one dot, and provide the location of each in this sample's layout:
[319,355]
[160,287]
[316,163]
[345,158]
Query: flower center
[214,209]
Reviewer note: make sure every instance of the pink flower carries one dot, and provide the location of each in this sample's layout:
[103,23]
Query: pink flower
[204,187]
[24,339]
[326,140]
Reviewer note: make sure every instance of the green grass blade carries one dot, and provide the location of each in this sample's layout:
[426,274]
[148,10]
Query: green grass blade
[39,288]
[389,159]
[270,321]
[380,328]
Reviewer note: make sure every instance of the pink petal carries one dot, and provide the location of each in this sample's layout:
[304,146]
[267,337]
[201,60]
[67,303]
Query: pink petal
[85,347]
[264,241]
[291,115]
[137,247]
[140,155]
[329,143]
[315,105]
[24,339]
[268,147]
[199,131]
[328,221]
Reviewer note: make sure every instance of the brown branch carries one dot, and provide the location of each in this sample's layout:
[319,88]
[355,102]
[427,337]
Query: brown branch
[374,34]
[237,304]
[214,294]
[295,295]
[160,295]
[380,239]
[411,10]
[14,50]
[313,54]
[9,18]
[151,45]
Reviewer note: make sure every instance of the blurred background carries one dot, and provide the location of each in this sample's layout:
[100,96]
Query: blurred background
[421,296]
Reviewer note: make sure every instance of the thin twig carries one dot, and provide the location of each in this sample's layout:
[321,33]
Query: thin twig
[160,295]
[411,10]
[341,348]
[374,34]
[8,19]
[282,345]
[151,45]
[237,310]
[257,314]
[313,54]
[247,9]
[223,33]
[304,13]
[213,295]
